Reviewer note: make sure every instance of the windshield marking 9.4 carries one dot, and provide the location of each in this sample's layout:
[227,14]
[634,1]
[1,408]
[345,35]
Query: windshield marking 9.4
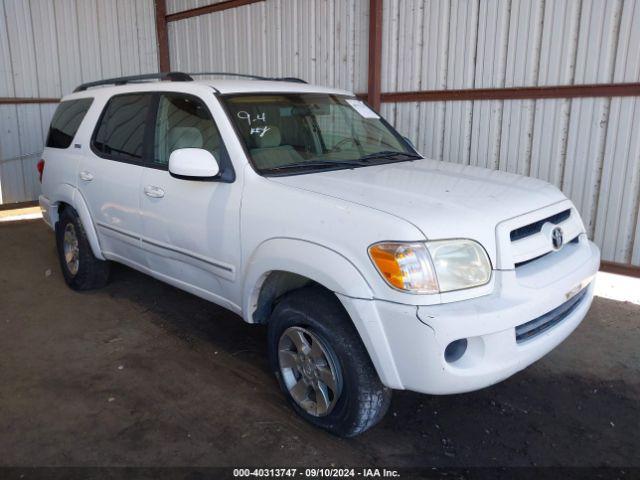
[307,132]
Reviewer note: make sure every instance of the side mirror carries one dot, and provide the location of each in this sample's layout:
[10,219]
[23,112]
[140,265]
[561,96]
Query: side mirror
[193,163]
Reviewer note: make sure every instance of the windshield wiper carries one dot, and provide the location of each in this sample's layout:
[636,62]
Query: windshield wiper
[388,154]
[360,162]
[317,164]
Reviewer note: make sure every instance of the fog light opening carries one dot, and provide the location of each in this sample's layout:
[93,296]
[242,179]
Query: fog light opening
[455,350]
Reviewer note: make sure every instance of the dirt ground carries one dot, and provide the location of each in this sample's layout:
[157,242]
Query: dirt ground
[142,374]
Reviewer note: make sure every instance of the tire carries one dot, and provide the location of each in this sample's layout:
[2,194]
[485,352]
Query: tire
[89,272]
[361,400]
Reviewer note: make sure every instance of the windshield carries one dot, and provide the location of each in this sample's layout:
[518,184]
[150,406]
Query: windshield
[294,133]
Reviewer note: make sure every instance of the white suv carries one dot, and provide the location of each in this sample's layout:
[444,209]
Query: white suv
[299,207]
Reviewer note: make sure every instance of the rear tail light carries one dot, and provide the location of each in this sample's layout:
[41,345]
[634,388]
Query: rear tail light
[40,169]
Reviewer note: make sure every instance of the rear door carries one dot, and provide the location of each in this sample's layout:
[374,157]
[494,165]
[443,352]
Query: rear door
[110,174]
[190,227]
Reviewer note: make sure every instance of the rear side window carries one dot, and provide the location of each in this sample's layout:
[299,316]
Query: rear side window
[66,121]
[120,131]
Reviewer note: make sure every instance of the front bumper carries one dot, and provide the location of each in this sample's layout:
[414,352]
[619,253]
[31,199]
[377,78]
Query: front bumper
[407,343]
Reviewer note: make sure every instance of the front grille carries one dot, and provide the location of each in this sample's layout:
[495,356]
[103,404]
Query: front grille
[525,262]
[536,227]
[535,327]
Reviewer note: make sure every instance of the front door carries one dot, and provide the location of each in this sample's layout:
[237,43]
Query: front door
[110,175]
[190,227]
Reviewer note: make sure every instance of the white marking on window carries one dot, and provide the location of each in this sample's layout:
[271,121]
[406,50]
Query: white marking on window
[260,130]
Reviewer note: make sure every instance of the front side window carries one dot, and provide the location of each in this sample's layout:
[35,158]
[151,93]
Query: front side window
[184,121]
[120,132]
[66,121]
[290,133]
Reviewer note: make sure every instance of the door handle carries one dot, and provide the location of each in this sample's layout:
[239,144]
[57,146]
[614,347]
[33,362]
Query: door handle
[86,176]
[153,192]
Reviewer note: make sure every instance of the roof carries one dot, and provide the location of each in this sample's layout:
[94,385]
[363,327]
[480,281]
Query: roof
[221,86]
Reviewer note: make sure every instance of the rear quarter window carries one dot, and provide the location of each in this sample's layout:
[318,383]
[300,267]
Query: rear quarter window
[66,121]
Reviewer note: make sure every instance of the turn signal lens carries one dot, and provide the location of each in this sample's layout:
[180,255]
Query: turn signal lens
[405,266]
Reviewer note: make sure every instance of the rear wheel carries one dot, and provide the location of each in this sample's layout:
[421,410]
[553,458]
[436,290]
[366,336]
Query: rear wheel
[322,365]
[80,268]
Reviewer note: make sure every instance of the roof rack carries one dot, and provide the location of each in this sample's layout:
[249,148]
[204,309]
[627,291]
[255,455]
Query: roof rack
[291,79]
[172,76]
[175,77]
[254,77]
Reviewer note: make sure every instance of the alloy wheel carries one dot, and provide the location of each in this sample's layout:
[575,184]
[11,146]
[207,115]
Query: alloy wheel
[309,371]
[71,249]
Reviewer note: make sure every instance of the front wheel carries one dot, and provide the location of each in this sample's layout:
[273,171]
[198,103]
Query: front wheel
[321,364]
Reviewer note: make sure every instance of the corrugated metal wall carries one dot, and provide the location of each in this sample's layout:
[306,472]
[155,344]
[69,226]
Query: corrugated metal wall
[322,41]
[588,147]
[47,48]
[174,6]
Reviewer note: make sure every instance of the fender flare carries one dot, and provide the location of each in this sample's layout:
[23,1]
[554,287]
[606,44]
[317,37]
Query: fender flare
[70,195]
[323,265]
[334,272]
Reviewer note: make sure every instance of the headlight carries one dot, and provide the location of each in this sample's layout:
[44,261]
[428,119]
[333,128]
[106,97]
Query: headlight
[432,267]
[459,264]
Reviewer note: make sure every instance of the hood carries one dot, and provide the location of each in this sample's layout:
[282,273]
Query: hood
[443,200]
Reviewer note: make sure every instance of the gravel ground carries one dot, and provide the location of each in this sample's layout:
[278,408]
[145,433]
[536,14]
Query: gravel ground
[142,374]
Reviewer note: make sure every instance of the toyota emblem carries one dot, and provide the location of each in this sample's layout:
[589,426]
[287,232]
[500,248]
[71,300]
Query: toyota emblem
[557,238]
